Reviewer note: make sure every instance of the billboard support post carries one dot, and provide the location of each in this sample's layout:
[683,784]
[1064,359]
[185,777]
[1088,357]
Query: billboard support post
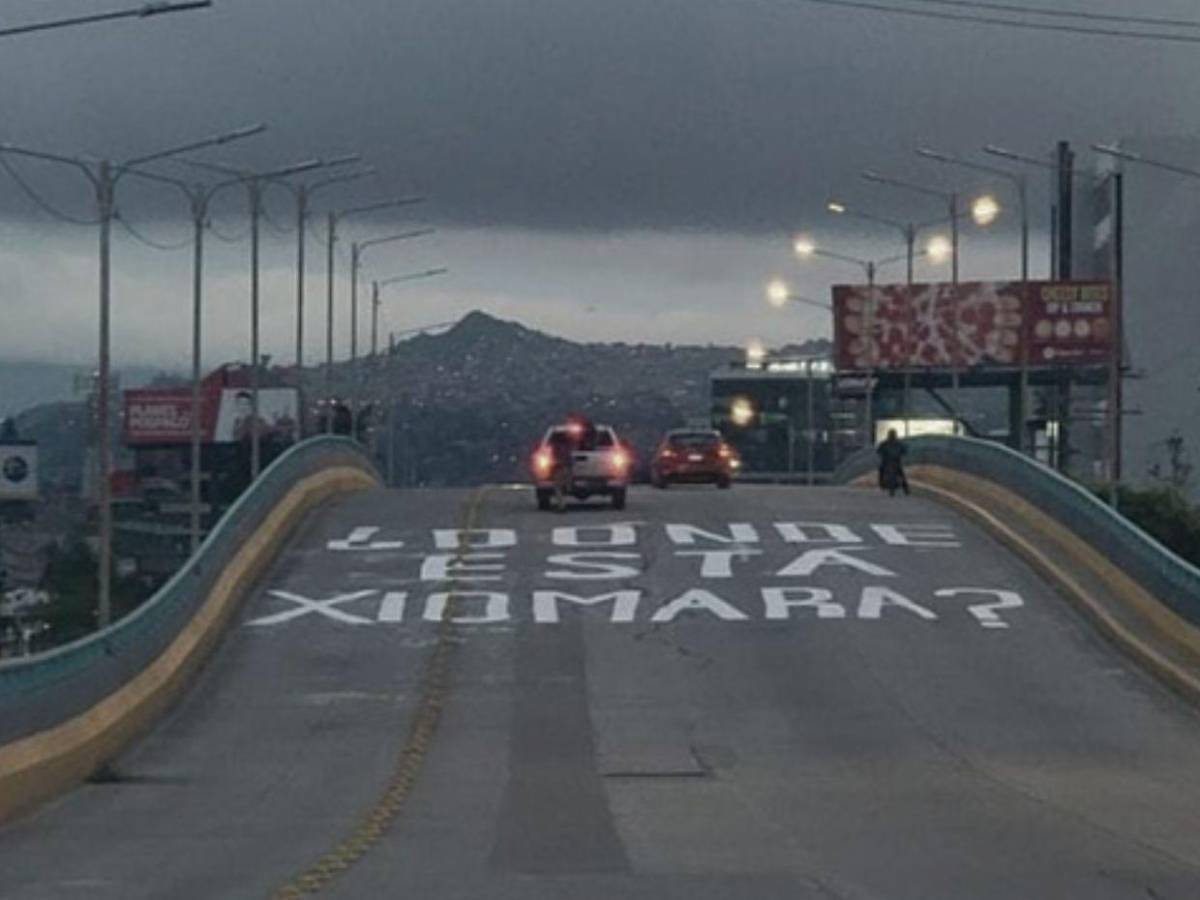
[199,210]
[808,418]
[872,354]
[910,240]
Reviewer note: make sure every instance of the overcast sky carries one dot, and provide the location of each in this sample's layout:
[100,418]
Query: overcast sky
[622,170]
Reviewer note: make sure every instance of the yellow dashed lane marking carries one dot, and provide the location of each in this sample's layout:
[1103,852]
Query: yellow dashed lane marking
[374,825]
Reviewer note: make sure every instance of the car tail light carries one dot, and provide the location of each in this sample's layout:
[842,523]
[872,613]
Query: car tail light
[724,452]
[667,453]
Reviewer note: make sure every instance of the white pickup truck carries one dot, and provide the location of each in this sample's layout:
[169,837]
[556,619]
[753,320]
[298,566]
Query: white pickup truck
[599,464]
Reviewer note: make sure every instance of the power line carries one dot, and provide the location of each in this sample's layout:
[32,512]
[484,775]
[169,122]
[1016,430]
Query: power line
[1005,23]
[1065,14]
[228,239]
[149,242]
[272,224]
[37,198]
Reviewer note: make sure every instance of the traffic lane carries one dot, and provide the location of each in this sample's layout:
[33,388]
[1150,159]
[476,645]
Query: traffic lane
[931,747]
[511,801]
[897,756]
[272,755]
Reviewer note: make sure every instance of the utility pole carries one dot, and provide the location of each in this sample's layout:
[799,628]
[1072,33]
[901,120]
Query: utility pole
[104,177]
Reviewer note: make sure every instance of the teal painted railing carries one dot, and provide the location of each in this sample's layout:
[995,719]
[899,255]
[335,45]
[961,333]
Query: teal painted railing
[1167,576]
[41,690]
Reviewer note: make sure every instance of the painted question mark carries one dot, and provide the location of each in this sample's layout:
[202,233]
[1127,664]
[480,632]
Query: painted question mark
[986,613]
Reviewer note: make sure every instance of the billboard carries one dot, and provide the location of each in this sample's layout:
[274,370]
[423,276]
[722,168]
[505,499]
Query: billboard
[972,324]
[18,471]
[278,414]
[155,417]
[158,416]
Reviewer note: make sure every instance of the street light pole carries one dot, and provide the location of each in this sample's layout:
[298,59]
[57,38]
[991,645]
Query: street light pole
[331,239]
[105,189]
[303,193]
[334,217]
[951,198]
[1115,410]
[356,250]
[199,197]
[104,177]
[254,189]
[908,231]
[1020,183]
[808,418]
[376,302]
[805,248]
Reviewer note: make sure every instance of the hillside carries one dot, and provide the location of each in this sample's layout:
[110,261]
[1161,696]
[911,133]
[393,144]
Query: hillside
[470,403]
[27,384]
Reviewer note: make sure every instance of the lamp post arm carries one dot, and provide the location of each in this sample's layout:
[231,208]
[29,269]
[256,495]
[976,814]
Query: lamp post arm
[1141,160]
[145,11]
[420,232]
[949,159]
[841,257]
[80,164]
[235,135]
[414,276]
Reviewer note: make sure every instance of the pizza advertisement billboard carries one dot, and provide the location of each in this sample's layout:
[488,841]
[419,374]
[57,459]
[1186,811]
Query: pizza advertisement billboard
[971,324]
[1071,323]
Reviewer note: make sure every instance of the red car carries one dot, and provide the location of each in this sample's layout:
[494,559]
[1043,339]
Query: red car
[693,455]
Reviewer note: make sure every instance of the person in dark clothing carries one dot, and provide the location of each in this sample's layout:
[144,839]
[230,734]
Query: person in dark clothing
[562,450]
[891,464]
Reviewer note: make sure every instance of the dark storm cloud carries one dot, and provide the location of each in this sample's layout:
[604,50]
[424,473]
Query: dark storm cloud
[724,115]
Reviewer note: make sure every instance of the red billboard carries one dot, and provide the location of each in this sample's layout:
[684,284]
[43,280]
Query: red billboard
[164,416]
[979,323]
[158,416]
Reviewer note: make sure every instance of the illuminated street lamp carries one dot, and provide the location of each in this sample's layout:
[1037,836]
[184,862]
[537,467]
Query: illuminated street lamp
[982,209]
[951,199]
[806,248]
[779,294]
[985,210]
[909,232]
[741,411]
[939,248]
[756,352]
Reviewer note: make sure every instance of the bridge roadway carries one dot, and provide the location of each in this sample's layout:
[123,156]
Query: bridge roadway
[899,746]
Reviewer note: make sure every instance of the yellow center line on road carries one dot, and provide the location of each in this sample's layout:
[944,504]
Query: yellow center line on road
[426,717]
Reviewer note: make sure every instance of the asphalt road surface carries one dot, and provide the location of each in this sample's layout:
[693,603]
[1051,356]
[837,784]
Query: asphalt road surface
[757,693]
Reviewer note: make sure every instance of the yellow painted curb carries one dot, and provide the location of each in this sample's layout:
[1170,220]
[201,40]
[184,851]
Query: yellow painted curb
[972,495]
[43,765]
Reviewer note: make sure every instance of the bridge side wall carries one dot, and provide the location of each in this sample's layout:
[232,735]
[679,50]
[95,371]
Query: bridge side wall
[1169,578]
[65,713]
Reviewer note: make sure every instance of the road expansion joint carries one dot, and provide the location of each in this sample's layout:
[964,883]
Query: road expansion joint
[431,702]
